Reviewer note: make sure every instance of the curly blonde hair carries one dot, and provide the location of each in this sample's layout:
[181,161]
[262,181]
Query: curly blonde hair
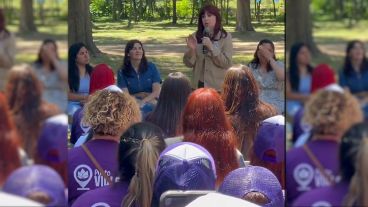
[332,112]
[111,112]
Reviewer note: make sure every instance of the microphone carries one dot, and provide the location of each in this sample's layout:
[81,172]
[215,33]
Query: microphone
[206,33]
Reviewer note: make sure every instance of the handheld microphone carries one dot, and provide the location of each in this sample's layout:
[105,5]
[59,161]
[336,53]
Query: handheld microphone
[206,33]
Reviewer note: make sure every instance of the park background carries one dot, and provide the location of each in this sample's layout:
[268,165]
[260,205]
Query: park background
[326,26]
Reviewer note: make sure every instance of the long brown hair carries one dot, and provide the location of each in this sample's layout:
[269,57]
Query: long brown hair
[24,94]
[242,104]
[9,141]
[204,122]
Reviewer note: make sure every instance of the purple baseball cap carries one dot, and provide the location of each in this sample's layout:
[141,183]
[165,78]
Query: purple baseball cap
[253,179]
[37,178]
[52,144]
[271,136]
[184,166]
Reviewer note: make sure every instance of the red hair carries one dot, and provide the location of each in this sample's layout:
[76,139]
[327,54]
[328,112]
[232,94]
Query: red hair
[322,76]
[9,141]
[218,27]
[204,122]
[101,77]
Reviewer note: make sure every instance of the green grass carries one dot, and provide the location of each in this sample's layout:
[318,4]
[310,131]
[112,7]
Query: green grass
[159,34]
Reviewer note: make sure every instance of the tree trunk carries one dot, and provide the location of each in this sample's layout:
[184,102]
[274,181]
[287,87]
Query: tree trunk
[274,9]
[80,25]
[26,17]
[114,10]
[174,13]
[243,18]
[227,12]
[299,24]
[193,12]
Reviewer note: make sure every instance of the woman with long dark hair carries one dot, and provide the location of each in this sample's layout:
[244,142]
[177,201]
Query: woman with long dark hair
[269,74]
[354,75]
[79,71]
[204,122]
[24,94]
[210,50]
[173,97]
[138,77]
[243,106]
[298,82]
[52,72]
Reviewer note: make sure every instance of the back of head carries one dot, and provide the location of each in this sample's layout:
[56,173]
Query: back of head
[173,97]
[241,99]
[52,145]
[111,112]
[139,149]
[101,77]
[322,76]
[23,90]
[184,166]
[240,182]
[204,122]
[37,182]
[331,112]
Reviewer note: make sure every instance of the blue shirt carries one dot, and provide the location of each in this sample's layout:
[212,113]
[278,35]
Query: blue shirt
[84,85]
[356,82]
[141,82]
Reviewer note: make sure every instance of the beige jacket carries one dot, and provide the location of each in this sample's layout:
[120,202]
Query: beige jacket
[211,68]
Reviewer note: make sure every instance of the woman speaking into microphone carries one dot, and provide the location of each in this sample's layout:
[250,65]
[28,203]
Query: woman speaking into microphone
[210,50]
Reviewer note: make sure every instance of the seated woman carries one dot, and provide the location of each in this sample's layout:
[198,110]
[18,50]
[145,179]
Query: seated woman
[204,122]
[243,106]
[270,75]
[173,97]
[353,143]
[298,82]
[102,76]
[139,77]
[329,113]
[53,73]
[109,114]
[79,71]
[354,75]
[24,95]
[139,150]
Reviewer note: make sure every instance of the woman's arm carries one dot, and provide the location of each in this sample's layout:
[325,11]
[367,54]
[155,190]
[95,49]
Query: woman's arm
[189,58]
[156,88]
[279,70]
[290,95]
[222,58]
